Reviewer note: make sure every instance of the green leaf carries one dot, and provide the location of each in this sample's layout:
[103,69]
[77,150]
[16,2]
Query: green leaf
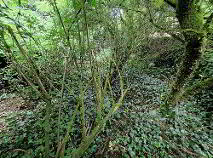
[43,6]
[157,144]
[77,4]
[158,3]
[92,3]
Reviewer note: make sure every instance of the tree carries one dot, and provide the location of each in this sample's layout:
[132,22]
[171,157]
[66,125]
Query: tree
[191,17]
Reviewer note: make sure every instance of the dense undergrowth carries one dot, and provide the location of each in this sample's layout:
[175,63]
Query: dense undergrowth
[136,130]
[106,79]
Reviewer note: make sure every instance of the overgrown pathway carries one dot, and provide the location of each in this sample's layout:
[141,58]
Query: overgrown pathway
[138,129]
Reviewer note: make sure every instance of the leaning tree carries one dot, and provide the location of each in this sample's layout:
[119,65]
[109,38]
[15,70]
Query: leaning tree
[195,18]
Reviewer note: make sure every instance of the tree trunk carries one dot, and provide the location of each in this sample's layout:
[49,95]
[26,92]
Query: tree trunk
[191,23]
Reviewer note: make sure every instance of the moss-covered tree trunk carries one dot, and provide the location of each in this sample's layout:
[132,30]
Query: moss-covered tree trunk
[191,19]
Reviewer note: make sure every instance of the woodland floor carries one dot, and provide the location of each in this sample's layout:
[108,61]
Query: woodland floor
[138,130]
[9,107]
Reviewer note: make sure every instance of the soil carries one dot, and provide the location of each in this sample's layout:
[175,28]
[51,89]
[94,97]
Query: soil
[9,107]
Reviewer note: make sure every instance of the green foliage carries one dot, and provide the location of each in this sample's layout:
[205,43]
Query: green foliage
[26,129]
[74,60]
[43,6]
[158,3]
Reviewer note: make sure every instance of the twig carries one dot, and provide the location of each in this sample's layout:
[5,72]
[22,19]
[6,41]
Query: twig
[21,150]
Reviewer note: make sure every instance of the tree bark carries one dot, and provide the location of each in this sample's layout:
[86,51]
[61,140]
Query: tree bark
[190,19]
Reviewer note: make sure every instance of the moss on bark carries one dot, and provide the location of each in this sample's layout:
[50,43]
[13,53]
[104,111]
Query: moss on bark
[191,20]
